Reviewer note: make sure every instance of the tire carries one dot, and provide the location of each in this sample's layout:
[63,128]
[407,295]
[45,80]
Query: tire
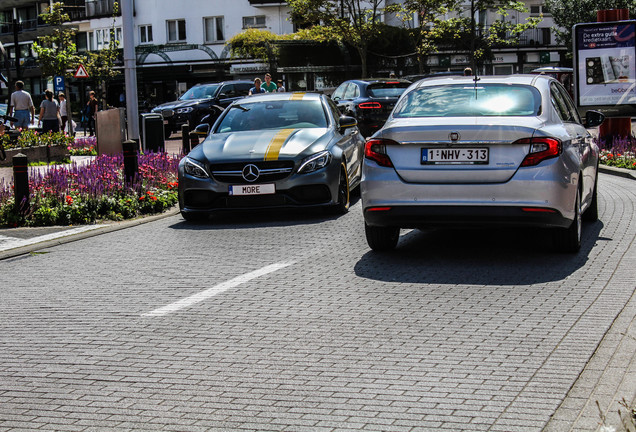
[568,240]
[591,214]
[193,217]
[344,194]
[381,238]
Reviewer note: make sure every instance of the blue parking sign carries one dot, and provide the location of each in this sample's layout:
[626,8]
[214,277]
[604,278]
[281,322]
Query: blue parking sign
[58,83]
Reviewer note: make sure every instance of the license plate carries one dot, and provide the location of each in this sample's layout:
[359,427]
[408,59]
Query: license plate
[256,189]
[465,156]
[165,122]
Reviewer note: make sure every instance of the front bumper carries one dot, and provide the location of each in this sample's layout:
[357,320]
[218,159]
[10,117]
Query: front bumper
[315,189]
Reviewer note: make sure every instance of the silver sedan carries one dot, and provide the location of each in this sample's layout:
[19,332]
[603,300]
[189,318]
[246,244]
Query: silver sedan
[482,151]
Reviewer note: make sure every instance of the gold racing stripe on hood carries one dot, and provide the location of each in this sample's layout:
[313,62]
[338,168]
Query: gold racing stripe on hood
[273,149]
[297,96]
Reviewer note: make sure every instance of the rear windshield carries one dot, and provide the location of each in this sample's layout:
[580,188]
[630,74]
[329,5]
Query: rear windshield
[387,89]
[470,101]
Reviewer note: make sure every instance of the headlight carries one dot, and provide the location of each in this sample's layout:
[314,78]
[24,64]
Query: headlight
[184,110]
[314,162]
[194,168]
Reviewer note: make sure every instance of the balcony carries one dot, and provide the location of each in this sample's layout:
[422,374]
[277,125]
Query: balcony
[99,8]
[257,3]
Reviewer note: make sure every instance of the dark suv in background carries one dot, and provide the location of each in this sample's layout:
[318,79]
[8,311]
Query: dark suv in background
[370,100]
[199,101]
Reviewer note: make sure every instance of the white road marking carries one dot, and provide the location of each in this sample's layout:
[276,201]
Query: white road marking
[217,289]
[7,243]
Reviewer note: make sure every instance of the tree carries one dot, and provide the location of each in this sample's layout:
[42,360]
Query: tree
[57,52]
[354,22]
[100,65]
[479,38]
[429,27]
[566,13]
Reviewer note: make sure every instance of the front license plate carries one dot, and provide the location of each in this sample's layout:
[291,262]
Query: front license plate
[165,122]
[256,189]
[467,156]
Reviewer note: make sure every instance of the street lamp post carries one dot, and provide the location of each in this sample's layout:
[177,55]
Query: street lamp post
[130,70]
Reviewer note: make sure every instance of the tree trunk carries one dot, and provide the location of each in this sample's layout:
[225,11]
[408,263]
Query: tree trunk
[362,51]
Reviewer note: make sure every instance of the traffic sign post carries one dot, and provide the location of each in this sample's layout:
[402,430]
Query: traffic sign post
[81,72]
[58,84]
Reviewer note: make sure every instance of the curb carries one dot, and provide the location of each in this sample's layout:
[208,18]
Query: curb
[106,228]
[621,172]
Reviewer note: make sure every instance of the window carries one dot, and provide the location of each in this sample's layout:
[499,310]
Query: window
[213,29]
[254,21]
[145,34]
[176,30]
[339,92]
[352,92]
[559,103]
[538,10]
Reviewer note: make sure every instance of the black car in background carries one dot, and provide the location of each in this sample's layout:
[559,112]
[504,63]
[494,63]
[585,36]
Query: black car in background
[370,101]
[199,101]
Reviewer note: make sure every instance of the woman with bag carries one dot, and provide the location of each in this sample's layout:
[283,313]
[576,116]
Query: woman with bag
[49,112]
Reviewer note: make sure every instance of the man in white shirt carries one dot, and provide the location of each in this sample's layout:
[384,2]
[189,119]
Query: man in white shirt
[23,104]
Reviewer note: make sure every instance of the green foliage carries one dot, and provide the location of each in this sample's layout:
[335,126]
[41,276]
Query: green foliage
[355,22]
[254,43]
[566,13]
[31,138]
[57,52]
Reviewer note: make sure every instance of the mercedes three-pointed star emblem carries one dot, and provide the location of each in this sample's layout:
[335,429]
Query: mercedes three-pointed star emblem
[251,172]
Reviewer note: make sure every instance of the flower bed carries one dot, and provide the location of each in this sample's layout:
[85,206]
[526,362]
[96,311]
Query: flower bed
[620,154]
[83,146]
[85,194]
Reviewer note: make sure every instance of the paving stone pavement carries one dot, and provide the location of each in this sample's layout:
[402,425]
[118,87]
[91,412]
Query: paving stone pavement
[455,330]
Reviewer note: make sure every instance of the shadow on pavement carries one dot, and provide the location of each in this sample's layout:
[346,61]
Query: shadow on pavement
[477,257]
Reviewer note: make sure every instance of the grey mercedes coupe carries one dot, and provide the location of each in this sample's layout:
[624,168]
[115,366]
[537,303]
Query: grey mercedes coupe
[275,150]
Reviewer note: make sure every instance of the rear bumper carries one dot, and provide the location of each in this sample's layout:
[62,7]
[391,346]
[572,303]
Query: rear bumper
[465,216]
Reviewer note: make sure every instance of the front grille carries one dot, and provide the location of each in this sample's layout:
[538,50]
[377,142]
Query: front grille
[269,171]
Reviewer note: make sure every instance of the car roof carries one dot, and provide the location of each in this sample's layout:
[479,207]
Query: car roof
[378,80]
[282,96]
[484,79]
[224,82]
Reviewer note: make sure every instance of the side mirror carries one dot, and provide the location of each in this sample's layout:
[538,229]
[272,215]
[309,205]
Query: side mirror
[345,122]
[202,129]
[593,118]
[167,112]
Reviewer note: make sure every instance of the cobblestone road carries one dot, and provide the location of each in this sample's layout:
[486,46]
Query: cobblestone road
[455,330]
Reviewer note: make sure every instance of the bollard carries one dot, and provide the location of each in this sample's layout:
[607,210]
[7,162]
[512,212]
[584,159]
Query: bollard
[185,139]
[21,182]
[194,139]
[131,161]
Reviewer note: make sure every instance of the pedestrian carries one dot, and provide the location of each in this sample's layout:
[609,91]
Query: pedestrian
[63,109]
[468,72]
[269,86]
[91,112]
[280,87]
[23,104]
[49,113]
[257,87]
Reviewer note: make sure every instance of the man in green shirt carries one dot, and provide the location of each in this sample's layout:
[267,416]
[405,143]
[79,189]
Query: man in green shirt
[269,86]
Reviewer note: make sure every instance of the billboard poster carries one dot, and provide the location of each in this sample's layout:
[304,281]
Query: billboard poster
[605,56]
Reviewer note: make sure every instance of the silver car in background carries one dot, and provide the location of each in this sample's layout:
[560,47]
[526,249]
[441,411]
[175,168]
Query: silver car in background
[487,151]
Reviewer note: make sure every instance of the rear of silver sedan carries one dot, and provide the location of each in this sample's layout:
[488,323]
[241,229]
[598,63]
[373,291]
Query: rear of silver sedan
[511,163]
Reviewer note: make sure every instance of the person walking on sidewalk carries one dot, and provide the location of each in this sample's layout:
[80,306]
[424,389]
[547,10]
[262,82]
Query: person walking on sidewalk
[23,104]
[63,110]
[92,112]
[49,113]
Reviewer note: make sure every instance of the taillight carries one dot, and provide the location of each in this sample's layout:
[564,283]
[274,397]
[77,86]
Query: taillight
[540,150]
[375,149]
[370,105]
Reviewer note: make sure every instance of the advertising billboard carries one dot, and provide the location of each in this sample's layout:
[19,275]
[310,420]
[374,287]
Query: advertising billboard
[605,66]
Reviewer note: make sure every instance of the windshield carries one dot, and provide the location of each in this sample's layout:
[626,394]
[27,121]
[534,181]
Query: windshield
[392,90]
[470,101]
[200,92]
[279,114]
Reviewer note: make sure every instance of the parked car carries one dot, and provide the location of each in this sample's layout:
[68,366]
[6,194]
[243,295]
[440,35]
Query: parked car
[199,101]
[487,152]
[272,151]
[369,100]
